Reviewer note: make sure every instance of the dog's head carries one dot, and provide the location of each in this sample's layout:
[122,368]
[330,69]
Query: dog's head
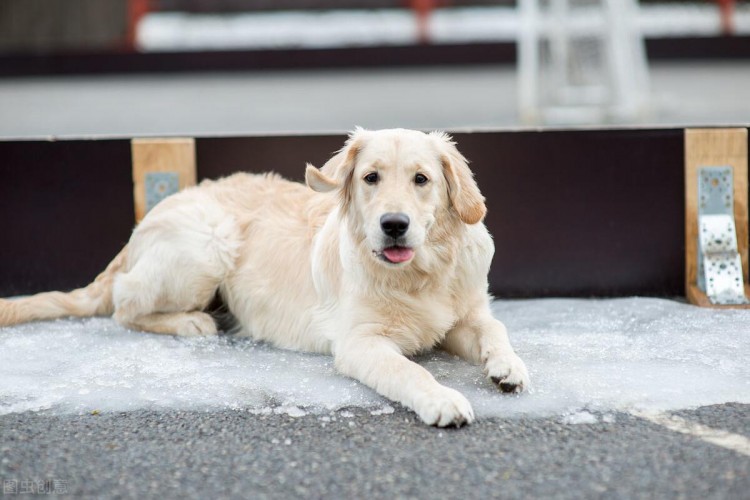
[395,185]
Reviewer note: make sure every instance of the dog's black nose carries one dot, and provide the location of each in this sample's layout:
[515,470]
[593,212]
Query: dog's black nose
[394,224]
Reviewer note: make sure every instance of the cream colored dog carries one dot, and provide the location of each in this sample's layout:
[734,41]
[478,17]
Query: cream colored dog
[384,257]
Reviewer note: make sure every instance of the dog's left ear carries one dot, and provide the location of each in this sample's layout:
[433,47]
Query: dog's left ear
[317,180]
[336,171]
[462,188]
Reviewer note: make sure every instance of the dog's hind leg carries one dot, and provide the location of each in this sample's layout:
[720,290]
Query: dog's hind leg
[164,300]
[184,324]
[179,260]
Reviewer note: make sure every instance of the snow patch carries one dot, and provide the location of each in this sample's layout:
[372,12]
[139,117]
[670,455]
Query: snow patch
[384,410]
[593,355]
[292,411]
[580,417]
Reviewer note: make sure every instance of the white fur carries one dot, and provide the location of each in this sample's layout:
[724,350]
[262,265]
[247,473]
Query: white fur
[303,269]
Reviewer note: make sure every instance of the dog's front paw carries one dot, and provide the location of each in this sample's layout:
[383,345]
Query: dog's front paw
[508,371]
[444,407]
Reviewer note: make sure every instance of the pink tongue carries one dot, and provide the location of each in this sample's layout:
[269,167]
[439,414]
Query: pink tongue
[398,254]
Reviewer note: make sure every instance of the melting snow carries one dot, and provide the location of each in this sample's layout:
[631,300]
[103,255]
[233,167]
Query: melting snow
[583,355]
[580,417]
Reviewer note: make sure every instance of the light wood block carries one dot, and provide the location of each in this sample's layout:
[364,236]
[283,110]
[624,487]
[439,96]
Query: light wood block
[166,157]
[714,148]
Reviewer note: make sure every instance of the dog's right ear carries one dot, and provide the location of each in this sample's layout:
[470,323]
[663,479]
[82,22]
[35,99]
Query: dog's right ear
[335,173]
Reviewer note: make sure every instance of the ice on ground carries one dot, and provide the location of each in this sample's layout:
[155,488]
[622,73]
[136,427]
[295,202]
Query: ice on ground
[580,417]
[584,356]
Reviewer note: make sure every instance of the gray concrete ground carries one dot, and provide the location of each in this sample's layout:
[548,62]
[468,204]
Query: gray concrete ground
[696,93]
[233,454]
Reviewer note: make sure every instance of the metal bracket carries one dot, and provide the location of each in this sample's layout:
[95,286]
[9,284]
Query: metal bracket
[159,185]
[719,263]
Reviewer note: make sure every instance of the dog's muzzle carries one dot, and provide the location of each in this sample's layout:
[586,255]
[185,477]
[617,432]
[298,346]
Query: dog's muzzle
[395,226]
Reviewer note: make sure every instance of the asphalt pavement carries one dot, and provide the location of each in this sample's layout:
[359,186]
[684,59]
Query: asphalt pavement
[353,454]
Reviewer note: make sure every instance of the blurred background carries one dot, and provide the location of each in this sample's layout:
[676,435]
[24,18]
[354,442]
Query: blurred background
[174,67]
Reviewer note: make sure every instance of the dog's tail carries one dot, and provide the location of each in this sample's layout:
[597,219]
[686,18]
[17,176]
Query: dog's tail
[92,300]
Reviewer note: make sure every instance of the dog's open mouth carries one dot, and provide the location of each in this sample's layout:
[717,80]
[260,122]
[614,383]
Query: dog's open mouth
[397,255]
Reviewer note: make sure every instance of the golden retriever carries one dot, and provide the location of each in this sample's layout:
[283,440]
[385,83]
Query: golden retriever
[382,255]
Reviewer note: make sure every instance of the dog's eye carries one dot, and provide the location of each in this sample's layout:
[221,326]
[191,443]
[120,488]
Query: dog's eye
[371,178]
[420,179]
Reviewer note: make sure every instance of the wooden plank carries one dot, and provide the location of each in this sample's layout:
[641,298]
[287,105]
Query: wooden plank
[706,148]
[155,162]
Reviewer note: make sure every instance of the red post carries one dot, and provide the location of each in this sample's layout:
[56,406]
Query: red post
[727,16]
[422,9]
[136,10]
